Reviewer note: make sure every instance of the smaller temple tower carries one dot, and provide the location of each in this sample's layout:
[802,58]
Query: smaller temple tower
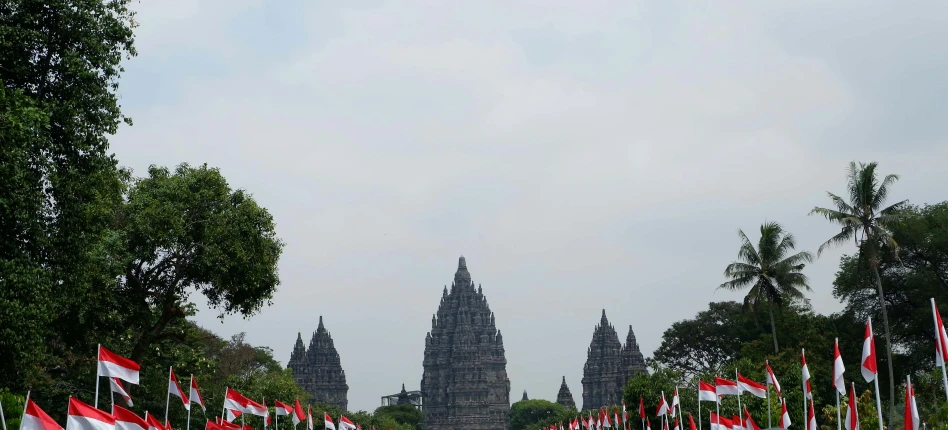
[318,369]
[564,397]
[524,396]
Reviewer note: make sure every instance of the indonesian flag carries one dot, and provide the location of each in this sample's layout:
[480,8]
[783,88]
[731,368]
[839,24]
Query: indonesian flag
[691,423]
[806,375]
[911,409]
[345,424]
[641,408]
[746,385]
[719,423]
[852,415]
[706,392]
[195,395]
[298,416]
[625,413]
[868,367]
[674,402]
[35,419]
[723,387]
[282,409]
[675,427]
[116,386]
[127,420]
[211,425]
[772,379]
[85,417]
[605,418]
[329,424]
[736,422]
[941,338]
[749,423]
[662,406]
[175,389]
[227,424]
[232,415]
[838,382]
[811,422]
[784,416]
[116,366]
[153,423]
[615,417]
[648,424]
[238,402]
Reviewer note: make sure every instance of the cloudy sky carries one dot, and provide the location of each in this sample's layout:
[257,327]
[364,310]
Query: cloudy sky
[580,155]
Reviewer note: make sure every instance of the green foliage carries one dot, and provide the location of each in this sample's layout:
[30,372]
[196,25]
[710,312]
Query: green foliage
[772,274]
[865,408]
[13,406]
[401,414]
[534,414]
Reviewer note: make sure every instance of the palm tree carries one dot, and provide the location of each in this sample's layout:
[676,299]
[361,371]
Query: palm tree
[864,220]
[773,276]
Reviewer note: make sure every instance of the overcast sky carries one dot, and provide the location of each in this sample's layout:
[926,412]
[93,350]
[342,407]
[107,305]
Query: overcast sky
[580,154]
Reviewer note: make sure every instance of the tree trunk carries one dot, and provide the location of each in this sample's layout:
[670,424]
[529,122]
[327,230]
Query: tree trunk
[888,343]
[773,327]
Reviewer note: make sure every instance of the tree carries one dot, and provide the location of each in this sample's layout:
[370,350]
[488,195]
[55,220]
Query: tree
[59,65]
[773,275]
[866,221]
[402,414]
[712,338]
[189,231]
[527,414]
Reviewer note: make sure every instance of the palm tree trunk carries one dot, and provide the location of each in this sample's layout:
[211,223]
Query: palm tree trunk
[888,344]
[773,327]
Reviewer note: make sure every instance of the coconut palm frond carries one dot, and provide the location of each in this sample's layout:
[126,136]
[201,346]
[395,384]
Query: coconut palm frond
[840,238]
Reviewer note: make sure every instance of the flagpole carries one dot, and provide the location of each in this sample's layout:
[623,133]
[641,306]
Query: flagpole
[839,417]
[2,418]
[856,406]
[224,407]
[189,401]
[699,405]
[767,362]
[740,410]
[876,380]
[803,383]
[168,398]
[938,340]
[97,352]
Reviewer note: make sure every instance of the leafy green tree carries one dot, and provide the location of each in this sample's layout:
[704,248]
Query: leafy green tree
[13,406]
[865,409]
[531,414]
[866,220]
[402,414]
[60,64]
[186,231]
[770,270]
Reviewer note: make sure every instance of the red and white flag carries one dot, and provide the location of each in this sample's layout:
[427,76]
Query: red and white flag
[116,366]
[811,422]
[345,424]
[720,423]
[127,420]
[941,338]
[675,426]
[706,392]
[749,423]
[329,424]
[35,419]
[195,395]
[282,409]
[232,415]
[81,416]
[648,424]
[806,375]
[662,406]
[723,387]
[911,409]
[604,414]
[691,423]
[641,408]
[868,367]
[116,386]
[625,414]
[309,417]
[224,423]
[784,416]
[838,369]
[772,379]
[674,402]
[153,423]
[298,415]
[174,389]
[736,423]
[852,415]
[746,385]
[235,401]
[615,417]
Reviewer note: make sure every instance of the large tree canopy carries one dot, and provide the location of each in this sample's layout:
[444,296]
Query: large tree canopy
[188,231]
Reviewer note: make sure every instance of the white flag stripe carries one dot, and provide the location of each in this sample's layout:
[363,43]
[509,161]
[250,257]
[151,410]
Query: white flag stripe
[75,422]
[110,369]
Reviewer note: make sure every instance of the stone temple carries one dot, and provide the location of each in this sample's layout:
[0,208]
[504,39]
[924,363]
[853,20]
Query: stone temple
[609,365]
[318,369]
[465,384]
[564,397]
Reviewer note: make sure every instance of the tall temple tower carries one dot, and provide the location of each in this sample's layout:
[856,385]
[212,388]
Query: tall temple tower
[465,384]
[609,365]
[318,369]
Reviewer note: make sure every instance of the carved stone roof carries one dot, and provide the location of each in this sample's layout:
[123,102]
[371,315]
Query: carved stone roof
[609,365]
[465,384]
[318,369]
[564,397]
